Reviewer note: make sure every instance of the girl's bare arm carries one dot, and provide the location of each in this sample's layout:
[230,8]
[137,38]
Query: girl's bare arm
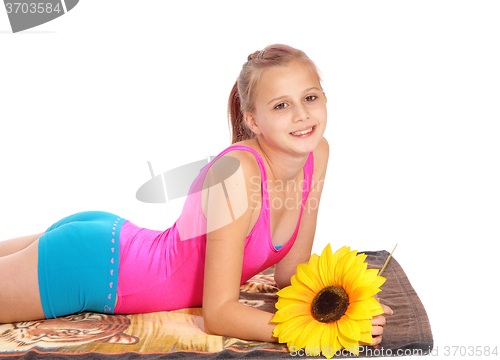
[222,312]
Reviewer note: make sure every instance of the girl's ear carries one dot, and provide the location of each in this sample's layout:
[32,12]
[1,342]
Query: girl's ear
[251,123]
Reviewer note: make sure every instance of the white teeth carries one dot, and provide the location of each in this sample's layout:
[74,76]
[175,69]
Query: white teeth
[302,132]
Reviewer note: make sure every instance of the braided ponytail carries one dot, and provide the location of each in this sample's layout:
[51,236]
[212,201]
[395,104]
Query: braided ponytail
[240,130]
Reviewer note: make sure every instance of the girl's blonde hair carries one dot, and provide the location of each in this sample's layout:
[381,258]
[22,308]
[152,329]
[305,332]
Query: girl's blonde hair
[242,95]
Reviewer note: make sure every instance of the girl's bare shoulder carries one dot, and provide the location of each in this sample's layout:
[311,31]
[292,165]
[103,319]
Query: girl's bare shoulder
[240,162]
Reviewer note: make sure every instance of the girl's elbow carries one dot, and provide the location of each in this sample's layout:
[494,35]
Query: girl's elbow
[283,284]
[208,330]
[207,322]
[217,317]
[281,281]
[211,321]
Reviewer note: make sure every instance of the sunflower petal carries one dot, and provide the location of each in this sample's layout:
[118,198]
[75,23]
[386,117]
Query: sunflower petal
[353,277]
[291,311]
[326,266]
[306,276]
[340,252]
[371,275]
[308,333]
[372,303]
[349,344]
[284,302]
[372,272]
[360,258]
[314,343]
[366,337]
[297,292]
[342,266]
[377,312]
[365,325]
[359,310]
[314,261]
[329,340]
[314,267]
[379,281]
[375,307]
[348,327]
[288,331]
[362,292]
[367,278]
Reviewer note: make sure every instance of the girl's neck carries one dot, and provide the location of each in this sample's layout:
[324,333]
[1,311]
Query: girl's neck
[283,166]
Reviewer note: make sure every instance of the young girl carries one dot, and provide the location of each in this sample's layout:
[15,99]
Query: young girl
[234,224]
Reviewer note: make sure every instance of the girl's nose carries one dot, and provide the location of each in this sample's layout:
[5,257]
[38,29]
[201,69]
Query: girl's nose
[301,113]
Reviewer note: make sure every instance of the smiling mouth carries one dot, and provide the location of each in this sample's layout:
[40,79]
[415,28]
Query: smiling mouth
[298,133]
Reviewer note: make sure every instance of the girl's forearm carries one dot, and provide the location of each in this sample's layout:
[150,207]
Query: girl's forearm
[240,321]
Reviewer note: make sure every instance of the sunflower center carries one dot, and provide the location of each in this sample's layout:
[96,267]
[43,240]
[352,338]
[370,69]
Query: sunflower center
[329,304]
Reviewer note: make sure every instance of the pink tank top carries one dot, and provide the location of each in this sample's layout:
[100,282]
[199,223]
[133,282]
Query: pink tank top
[163,270]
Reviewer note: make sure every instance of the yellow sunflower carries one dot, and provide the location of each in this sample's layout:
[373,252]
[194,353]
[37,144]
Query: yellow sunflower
[329,304]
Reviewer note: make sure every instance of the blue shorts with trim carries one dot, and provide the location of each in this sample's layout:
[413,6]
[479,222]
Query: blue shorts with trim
[78,261]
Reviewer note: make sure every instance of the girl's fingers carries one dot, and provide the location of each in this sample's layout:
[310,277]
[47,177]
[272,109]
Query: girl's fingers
[378,323]
[377,339]
[387,309]
[378,320]
[377,330]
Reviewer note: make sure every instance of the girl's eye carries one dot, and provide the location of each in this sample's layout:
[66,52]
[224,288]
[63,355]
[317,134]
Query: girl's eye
[281,106]
[311,98]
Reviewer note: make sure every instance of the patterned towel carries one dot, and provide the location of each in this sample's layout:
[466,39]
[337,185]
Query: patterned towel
[180,333]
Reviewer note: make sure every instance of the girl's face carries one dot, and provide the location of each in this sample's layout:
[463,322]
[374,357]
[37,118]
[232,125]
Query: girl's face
[289,108]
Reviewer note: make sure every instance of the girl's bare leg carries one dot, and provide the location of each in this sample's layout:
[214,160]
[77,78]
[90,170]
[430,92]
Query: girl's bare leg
[19,295]
[9,247]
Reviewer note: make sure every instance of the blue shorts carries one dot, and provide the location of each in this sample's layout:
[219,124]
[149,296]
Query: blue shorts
[78,260]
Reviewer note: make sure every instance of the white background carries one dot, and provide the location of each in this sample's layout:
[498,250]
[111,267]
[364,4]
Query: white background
[413,99]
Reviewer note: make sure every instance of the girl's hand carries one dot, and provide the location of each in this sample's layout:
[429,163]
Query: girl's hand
[378,323]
